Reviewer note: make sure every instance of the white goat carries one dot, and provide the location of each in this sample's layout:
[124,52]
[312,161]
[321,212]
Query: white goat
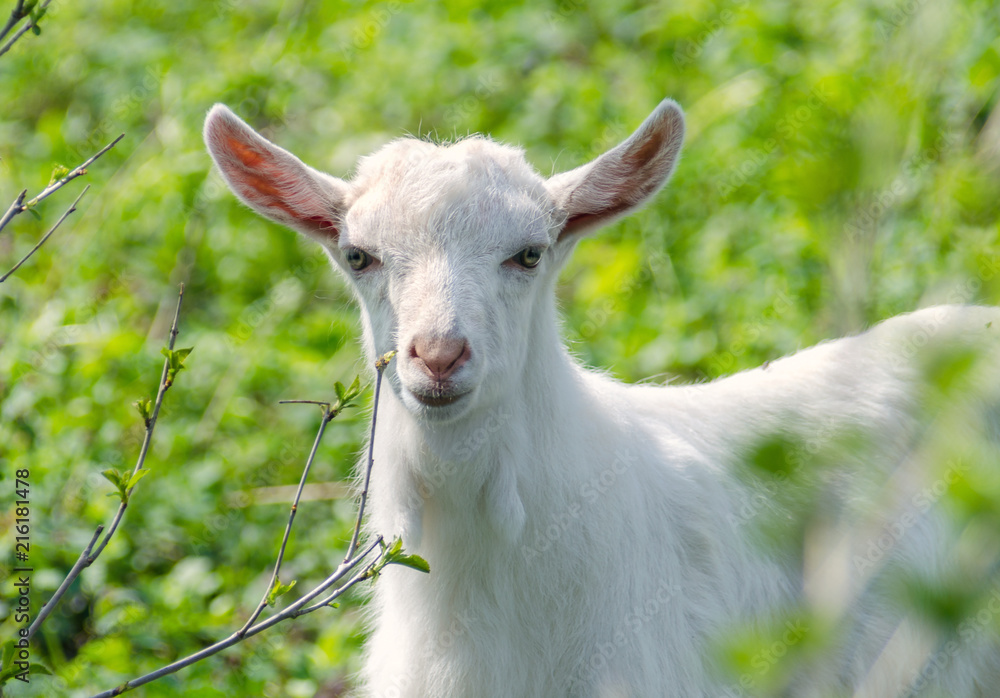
[588,538]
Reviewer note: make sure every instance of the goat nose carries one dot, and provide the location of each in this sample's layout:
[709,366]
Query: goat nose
[439,357]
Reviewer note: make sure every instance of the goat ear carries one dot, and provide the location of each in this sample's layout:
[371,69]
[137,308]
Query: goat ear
[272,181]
[622,179]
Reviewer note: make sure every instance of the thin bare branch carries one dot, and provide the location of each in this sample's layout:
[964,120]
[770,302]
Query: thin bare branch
[41,242]
[14,209]
[20,206]
[87,557]
[293,611]
[16,15]
[299,607]
[164,386]
[78,567]
[73,174]
[380,366]
[17,35]
[329,412]
[327,416]
[344,567]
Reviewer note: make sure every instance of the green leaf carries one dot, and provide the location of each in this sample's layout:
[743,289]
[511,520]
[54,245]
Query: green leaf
[393,554]
[175,359]
[118,480]
[135,478]
[59,171]
[145,409]
[345,396]
[278,590]
[384,360]
[412,561]
[113,476]
[33,212]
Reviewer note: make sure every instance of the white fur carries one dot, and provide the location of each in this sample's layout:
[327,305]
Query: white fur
[588,538]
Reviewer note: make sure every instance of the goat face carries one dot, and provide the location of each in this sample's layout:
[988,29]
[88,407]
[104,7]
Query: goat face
[448,249]
[452,250]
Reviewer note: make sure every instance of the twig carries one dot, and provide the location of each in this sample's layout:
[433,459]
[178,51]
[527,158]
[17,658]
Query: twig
[164,386]
[81,562]
[41,242]
[346,566]
[16,15]
[380,366]
[299,607]
[327,416]
[73,174]
[87,558]
[17,35]
[19,205]
[14,209]
[329,412]
[293,611]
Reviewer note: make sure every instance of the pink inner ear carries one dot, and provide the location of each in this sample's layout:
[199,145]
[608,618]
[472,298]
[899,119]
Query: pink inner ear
[581,221]
[249,157]
[646,153]
[258,188]
[625,185]
[324,225]
[271,181]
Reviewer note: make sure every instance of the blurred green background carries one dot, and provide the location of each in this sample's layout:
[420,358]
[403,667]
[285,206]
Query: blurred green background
[842,166]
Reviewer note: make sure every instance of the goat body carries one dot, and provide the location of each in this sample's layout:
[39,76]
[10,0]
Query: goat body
[588,538]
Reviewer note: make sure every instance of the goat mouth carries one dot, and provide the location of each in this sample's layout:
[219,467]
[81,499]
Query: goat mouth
[437,400]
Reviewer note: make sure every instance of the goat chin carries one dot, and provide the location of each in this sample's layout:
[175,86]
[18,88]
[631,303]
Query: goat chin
[588,538]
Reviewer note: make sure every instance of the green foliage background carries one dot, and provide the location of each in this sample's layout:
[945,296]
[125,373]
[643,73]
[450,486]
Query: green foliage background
[841,167]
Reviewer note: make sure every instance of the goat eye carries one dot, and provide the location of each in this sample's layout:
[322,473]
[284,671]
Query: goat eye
[529,257]
[357,259]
